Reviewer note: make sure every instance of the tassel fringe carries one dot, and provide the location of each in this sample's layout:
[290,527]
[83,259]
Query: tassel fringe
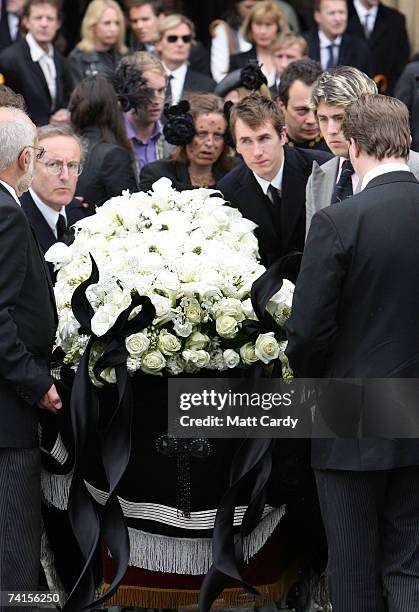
[56,489]
[48,565]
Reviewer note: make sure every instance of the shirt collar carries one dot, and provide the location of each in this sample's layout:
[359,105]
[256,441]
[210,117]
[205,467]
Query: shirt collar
[11,191]
[326,42]
[50,215]
[362,11]
[133,136]
[383,169]
[178,73]
[36,51]
[276,181]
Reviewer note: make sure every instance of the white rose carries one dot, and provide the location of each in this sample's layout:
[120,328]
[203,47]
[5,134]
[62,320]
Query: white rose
[104,318]
[226,326]
[193,312]
[232,358]
[199,358]
[153,362]
[230,307]
[197,341]
[109,375]
[168,343]
[58,253]
[266,347]
[247,353]
[137,344]
[163,308]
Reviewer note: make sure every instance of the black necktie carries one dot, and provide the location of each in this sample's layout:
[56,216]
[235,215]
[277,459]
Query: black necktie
[331,62]
[168,95]
[275,201]
[343,188]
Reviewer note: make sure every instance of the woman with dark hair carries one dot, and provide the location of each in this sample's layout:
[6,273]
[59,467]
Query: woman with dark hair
[202,156]
[109,167]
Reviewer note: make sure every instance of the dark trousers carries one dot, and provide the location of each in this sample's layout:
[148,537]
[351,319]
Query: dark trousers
[20,519]
[372,526]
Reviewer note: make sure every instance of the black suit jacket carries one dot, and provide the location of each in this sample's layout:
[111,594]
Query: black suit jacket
[354,51]
[176,171]
[108,170]
[240,60]
[196,82]
[388,42]
[26,77]
[276,237]
[5,36]
[355,306]
[27,327]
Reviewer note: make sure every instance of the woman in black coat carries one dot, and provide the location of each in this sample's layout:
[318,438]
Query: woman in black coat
[109,166]
[202,157]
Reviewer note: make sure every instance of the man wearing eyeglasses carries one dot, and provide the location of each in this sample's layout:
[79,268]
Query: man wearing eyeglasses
[49,203]
[176,38]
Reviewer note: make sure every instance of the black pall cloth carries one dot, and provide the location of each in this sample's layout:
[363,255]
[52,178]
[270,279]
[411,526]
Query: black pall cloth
[343,188]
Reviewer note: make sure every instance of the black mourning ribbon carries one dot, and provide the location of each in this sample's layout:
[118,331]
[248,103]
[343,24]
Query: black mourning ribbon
[252,462]
[87,525]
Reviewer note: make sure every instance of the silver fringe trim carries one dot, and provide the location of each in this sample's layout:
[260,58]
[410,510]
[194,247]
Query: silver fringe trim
[56,488]
[191,556]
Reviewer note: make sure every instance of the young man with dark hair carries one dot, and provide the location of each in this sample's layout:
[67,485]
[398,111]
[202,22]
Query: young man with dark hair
[269,188]
[293,97]
[348,323]
[34,68]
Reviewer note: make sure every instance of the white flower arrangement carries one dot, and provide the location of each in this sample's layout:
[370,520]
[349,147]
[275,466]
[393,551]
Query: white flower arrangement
[196,260]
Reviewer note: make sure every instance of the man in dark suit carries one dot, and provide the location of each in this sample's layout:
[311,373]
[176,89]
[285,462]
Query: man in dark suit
[51,193]
[27,330]
[384,29]
[269,188]
[11,12]
[176,37]
[331,44]
[354,315]
[34,68]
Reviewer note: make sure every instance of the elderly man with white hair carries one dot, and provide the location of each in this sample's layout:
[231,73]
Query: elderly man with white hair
[27,330]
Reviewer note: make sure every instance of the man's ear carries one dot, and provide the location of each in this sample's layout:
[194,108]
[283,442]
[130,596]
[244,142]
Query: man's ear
[356,151]
[317,17]
[281,105]
[283,136]
[25,22]
[23,160]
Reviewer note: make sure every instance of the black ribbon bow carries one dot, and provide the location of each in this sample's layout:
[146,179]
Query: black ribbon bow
[86,523]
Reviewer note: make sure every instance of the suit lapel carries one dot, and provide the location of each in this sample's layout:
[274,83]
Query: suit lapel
[325,183]
[37,71]
[254,206]
[314,43]
[293,197]
[380,26]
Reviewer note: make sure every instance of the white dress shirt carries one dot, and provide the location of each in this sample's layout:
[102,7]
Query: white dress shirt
[177,81]
[11,191]
[50,215]
[46,62]
[325,43]
[14,22]
[366,16]
[383,169]
[275,182]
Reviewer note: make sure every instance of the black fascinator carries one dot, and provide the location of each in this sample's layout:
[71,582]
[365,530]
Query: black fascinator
[252,77]
[179,128]
[130,87]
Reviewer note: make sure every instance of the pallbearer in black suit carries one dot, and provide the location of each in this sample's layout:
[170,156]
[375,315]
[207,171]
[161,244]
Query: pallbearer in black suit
[49,204]
[269,188]
[355,315]
[27,331]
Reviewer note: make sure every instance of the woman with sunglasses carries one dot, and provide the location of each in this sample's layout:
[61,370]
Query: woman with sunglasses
[176,39]
[102,43]
[202,156]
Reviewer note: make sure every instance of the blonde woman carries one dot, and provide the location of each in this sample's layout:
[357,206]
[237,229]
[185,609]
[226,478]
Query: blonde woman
[102,40]
[262,26]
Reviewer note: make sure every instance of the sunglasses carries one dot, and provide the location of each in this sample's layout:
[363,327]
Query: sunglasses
[172,38]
